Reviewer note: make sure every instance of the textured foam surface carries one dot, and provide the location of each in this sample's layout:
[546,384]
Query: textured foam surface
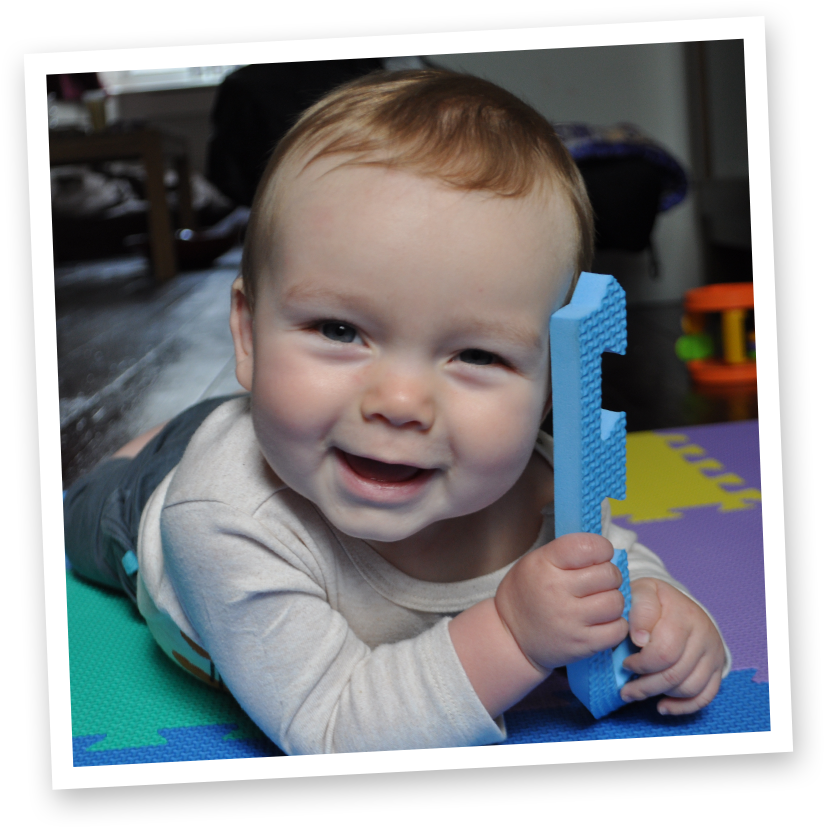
[733,445]
[692,478]
[191,743]
[131,704]
[741,705]
[127,694]
[693,498]
[590,451]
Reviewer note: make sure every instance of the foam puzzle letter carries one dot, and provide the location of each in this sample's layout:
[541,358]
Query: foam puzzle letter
[590,453]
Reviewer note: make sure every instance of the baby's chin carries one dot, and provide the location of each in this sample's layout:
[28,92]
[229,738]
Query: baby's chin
[394,525]
[381,528]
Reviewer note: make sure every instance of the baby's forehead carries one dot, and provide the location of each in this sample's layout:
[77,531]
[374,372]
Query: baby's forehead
[354,185]
[336,215]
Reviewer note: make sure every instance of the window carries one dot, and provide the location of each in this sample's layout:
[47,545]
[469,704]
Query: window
[151,80]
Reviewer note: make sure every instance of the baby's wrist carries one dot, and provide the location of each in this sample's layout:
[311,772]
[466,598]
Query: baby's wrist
[508,629]
[499,671]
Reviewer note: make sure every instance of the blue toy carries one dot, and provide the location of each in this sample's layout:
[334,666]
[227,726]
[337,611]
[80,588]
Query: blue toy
[590,453]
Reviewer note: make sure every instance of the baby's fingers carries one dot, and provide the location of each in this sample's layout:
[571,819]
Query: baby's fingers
[682,680]
[661,665]
[578,551]
[661,654]
[595,579]
[685,706]
[645,612]
[600,637]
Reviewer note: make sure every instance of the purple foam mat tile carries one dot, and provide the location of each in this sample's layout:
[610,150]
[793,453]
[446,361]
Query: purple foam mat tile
[734,444]
[719,557]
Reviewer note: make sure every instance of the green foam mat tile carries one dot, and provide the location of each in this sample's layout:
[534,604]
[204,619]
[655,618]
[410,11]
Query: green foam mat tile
[124,687]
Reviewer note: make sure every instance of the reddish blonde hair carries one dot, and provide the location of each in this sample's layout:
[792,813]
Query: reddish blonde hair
[462,130]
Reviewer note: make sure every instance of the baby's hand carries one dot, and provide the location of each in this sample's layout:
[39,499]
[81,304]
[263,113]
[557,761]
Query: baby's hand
[682,655]
[561,601]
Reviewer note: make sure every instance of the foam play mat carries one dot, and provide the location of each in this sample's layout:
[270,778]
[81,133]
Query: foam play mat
[693,497]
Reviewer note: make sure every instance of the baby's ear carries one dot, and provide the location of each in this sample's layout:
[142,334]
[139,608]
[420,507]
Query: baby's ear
[240,322]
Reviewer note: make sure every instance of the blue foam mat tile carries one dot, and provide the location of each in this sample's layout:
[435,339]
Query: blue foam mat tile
[590,452]
[200,743]
[742,705]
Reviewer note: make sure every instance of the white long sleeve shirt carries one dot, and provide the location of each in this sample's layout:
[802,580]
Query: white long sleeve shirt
[325,645]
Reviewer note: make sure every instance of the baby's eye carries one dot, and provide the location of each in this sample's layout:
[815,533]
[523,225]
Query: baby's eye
[338,331]
[474,356]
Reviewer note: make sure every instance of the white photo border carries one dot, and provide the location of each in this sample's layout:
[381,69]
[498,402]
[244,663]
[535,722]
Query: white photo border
[778,739]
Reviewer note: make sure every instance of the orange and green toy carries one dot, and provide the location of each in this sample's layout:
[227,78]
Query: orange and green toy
[697,347]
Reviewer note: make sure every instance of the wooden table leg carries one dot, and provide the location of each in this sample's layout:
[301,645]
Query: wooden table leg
[161,241]
[188,218]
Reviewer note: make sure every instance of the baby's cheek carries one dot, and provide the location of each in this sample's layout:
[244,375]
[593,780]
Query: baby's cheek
[497,440]
[296,398]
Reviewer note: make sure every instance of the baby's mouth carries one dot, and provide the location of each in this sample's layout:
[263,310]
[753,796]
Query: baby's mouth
[384,472]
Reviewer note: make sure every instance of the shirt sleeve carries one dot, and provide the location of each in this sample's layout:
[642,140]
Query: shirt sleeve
[643,562]
[291,660]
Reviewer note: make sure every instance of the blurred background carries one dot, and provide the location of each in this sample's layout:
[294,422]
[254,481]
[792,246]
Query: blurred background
[153,172]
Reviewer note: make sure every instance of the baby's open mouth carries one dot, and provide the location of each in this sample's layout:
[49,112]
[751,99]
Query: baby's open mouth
[377,471]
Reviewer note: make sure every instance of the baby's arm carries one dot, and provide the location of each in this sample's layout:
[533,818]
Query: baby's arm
[558,604]
[263,601]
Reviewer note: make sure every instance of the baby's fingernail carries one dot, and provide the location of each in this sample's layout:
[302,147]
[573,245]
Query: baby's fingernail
[662,710]
[641,638]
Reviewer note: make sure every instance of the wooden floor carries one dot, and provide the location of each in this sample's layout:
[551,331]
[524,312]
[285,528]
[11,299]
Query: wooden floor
[132,354]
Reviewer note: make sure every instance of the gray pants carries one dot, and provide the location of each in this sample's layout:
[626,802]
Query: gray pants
[101,511]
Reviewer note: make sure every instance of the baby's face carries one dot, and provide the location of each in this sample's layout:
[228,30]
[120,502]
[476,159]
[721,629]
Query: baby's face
[398,353]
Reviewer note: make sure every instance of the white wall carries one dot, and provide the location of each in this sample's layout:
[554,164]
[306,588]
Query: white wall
[645,85]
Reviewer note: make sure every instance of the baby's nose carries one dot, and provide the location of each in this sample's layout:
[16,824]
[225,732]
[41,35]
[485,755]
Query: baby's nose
[401,397]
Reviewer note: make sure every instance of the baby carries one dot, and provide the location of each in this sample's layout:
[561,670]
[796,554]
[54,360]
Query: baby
[361,550]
